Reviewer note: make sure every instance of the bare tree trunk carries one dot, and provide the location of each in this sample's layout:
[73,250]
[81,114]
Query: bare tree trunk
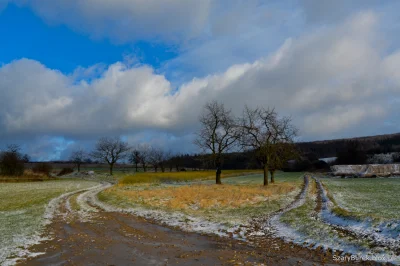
[218,176]
[136,167]
[79,167]
[265,175]
[155,168]
[111,168]
[272,171]
[144,167]
[218,173]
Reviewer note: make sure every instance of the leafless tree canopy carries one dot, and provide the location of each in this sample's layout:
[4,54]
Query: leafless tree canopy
[78,157]
[269,135]
[158,158]
[135,158]
[13,148]
[145,152]
[110,150]
[218,134]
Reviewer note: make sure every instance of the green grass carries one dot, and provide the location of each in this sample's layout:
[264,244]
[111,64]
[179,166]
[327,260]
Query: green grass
[377,198]
[304,220]
[22,207]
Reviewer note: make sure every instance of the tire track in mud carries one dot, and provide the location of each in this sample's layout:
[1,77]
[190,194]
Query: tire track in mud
[56,208]
[271,224]
[375,237]
[273,227]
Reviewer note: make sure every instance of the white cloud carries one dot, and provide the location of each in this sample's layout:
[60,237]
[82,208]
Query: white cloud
[333,82]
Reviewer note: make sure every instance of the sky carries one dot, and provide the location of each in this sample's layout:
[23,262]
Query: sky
[74,71]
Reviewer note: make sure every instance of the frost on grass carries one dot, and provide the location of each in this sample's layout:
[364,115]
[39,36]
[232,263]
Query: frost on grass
[384,237]
[199,207]
[376,198]
[275,226]
[174,219]
[25,208]
[236,202]
[310,231]
[317,226]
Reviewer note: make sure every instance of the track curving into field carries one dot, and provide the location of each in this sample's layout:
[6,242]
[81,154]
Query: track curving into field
[82,233]
[345,240]
[377,236]
[272,224]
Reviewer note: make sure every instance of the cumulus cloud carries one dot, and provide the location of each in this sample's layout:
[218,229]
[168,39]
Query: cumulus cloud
[333,82]
[124,21]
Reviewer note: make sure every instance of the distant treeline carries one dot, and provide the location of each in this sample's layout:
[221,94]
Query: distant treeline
[371,145]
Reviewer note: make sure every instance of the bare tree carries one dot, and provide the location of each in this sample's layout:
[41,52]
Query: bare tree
[78,157]
[145,151]
[110,150]
[218,134]
[13,148]
[281,153]
[165,157]
[156,158]
[135,158]
[169,160]
[263,132]
[176,161]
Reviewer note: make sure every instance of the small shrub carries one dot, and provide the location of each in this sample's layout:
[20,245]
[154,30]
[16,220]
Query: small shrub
[43,168]
[11,164]
[65,171]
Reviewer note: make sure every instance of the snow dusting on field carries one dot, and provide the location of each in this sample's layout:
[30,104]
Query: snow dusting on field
[316,225]
[25,210]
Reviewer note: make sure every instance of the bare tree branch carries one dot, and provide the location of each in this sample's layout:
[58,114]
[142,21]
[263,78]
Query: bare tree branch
[110,150]
[219,133]
[267,134]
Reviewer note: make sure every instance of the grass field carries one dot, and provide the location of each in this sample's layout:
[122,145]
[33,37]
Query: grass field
[311,230]
[22,206]
[237,200]
[159,177]
[377,198]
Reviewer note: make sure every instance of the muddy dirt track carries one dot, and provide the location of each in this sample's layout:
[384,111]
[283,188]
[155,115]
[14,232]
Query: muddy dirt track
[110,238]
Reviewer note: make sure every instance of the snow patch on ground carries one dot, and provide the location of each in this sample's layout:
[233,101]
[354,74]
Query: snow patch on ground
[174,219]
[274,226]
[10,254]
[386,236]
[387,233]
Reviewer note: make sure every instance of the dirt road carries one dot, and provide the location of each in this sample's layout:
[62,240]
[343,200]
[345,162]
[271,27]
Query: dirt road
[110,238]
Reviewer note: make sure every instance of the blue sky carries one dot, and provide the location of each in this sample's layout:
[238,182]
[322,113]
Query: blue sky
[74,71]
[25,35]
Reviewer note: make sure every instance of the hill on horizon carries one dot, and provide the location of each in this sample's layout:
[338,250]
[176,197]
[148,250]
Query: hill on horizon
[371,144]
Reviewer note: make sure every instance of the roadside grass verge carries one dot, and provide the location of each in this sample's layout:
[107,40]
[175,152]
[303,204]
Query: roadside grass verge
[159,177]
[360,198]
[22,206]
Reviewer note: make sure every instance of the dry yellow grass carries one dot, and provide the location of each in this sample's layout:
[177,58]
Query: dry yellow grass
[197,197]
[29,175]
[179,176]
